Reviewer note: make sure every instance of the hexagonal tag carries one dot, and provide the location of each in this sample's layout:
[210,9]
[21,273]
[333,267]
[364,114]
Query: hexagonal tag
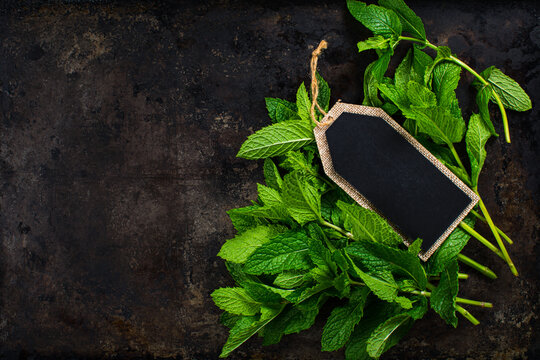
[383,168]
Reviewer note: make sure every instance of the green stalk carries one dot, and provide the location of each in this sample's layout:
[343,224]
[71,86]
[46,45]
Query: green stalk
[482,239]
[461,276]
[496,234]
[467,315]
[481,218]
[475,265]
[337,228]
[458,299]
[478,76]
[456,156]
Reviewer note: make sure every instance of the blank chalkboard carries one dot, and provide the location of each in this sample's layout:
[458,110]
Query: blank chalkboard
[396,177]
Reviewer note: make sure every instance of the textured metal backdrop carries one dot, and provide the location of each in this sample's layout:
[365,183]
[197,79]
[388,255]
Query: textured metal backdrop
[120,122]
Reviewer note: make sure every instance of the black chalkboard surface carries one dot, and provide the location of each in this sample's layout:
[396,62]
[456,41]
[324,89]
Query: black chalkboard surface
[391,170]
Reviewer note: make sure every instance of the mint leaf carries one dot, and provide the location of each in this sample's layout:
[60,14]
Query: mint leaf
[245,328]
[243,245]
[286,251]
[277,139]
[420,65]
[403,72]
[382,284]
[296,160]
[482,100]
[415,247]
[281,110]
[246,218]
[373,76]
[443,297]
[228,319]
[290,279]
[377,19]
[476,138]
[396,95]
[235,301]
[511,94]
[438,123]
[445,81]
[401,261]
[388,334]
[269,196]
[409,20]
[323,98]
[271,174]
[376,42]
[419,95]
[443,53]
[367,225]
[302,199]
[342,320]
[303,103]
[449,249]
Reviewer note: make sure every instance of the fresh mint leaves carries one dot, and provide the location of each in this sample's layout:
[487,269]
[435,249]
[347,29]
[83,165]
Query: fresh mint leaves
[304,240]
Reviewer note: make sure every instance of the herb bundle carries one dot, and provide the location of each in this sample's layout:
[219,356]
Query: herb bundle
[305,241]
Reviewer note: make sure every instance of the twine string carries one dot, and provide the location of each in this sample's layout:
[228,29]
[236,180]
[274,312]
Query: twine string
[315,85]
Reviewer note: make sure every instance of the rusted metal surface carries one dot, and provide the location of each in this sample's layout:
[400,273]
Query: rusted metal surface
[120,125]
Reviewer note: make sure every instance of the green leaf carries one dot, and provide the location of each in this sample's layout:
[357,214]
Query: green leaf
[402,261]
[396,95]
[246,218]
[271,174]
[382,284]
[303,103]
[409,20]
[388,334]
[296,160]
[420,65]
[342,320]
[290,279]
[319,254]
[403,72]
[377,19]
[302,199]
[445,81]
[443,53]
[512,96]
[449,249]
[228,319]
[357,345]
[277,139]
[438,123]
[476,138]
[367,225]
[281,110]
[482,100]
[373,76]
[419,95]
[243,245]
[235,301]
[443,297]
[323,98]
[375,42]
[415,247]
[269,196]
[286,251]
[245,328]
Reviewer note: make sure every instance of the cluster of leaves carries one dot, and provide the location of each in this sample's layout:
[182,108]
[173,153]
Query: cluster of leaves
[305,241]
[423,87]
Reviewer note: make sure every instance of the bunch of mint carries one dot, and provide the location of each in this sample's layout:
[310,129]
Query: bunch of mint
[423,91]
[305,241]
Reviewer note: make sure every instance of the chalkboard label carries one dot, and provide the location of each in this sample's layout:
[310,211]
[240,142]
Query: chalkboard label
[382,167]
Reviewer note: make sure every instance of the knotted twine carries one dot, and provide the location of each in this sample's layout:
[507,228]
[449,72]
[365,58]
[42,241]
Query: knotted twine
[315,86]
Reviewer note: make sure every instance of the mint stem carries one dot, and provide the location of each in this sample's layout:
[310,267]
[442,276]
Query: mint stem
[337,228]
[475,265]
[482,239]
[458,299]
[467,315]
[461,276]
[505,237]
[496,234]
[478,76]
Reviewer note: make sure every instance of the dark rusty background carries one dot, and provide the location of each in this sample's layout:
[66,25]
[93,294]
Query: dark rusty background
[119,128]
